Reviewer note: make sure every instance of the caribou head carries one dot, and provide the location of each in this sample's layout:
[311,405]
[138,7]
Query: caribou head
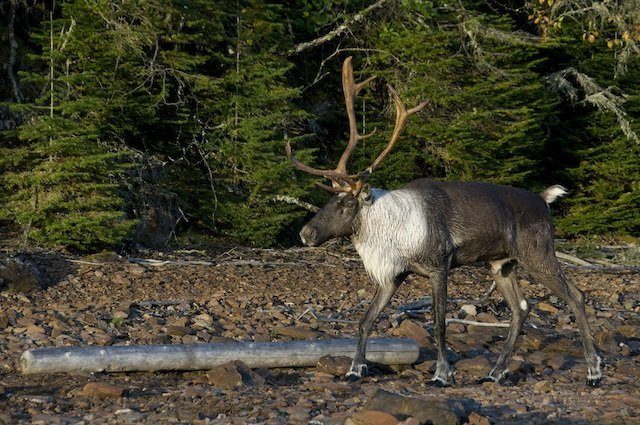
[339,217]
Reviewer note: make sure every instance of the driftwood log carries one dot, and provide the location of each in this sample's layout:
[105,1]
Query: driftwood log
[149,358]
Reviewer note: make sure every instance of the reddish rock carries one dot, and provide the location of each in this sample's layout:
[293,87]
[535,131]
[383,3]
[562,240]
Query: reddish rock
[486,317]
[547,307]
[425,411]
[478,365]
[334,365]
[608,341]
[414,330]
[628,331]
[428,366]
[477,419]
[334,387]
[101,390]
[560,361]
[232,374]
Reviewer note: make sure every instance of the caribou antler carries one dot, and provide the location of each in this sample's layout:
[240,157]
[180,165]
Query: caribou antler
[341,179]
[401,120]
[351,90]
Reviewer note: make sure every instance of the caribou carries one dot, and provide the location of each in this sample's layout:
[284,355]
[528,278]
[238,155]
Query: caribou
[429,227]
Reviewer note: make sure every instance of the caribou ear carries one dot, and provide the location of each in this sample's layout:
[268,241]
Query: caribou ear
[365,194]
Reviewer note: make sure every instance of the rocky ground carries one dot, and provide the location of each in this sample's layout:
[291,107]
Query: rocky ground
[276,295]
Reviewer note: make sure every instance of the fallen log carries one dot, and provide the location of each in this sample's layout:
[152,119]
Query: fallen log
[151,358]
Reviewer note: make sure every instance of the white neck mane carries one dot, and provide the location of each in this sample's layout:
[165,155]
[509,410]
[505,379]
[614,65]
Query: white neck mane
[392,232]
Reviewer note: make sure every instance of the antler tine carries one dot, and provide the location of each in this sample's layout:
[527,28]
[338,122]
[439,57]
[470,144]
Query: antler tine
[333,175]
[334,189]
[401,120]
[351,90]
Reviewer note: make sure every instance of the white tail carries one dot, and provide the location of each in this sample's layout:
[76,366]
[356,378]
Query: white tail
[552,193]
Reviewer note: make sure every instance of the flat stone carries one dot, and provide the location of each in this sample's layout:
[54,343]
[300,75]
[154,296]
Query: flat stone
[477,419]
[297,332]
[547,307]
[427,366]
[189,339]
[334,365]
[203,320]
[120,314]
[486,317]
[409,421]
[628,331]
[542,386]
[175,330]
[371,417]
[298,414]
[128,415]
[478,365]
[334,387]
[414,330]
[232,374]
[425,411]
[102,390]
[560,361]
[469,309]
[35,329]
[608,341]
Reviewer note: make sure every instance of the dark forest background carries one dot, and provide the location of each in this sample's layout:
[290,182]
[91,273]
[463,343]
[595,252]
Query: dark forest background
[147,122]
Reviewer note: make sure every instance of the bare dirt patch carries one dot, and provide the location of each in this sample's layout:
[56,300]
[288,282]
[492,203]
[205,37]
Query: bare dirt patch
[265,295]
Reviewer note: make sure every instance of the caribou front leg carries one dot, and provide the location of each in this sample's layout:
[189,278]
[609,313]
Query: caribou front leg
[380,300]
[439,287]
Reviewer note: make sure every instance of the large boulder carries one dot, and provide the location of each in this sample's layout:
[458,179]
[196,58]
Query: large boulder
[19,275]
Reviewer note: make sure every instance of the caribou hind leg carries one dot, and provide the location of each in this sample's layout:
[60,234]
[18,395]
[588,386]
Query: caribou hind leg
[504,274]
[553,279]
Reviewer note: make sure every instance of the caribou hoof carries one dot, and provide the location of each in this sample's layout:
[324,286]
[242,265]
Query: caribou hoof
[437,383]
[352,377]
[488,379]
[594,382]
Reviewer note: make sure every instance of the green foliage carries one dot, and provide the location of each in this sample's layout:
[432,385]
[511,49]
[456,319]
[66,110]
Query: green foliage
[62,168]
[208,89]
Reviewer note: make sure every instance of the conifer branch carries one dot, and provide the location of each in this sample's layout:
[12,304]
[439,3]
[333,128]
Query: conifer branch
[604,99]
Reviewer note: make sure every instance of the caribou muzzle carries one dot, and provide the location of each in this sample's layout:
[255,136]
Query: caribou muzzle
[309,236]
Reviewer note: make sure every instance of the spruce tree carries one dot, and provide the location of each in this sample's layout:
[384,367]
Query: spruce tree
[250,118]
[65,171]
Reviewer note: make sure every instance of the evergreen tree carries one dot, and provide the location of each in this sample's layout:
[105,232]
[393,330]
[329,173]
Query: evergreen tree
[250,118]
[64,171]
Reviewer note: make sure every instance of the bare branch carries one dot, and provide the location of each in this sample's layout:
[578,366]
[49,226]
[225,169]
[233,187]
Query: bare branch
[296,201]
[301,47]
[13,48]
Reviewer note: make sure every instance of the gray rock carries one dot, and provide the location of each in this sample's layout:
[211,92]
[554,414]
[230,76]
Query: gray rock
[19,275]
[469,309]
